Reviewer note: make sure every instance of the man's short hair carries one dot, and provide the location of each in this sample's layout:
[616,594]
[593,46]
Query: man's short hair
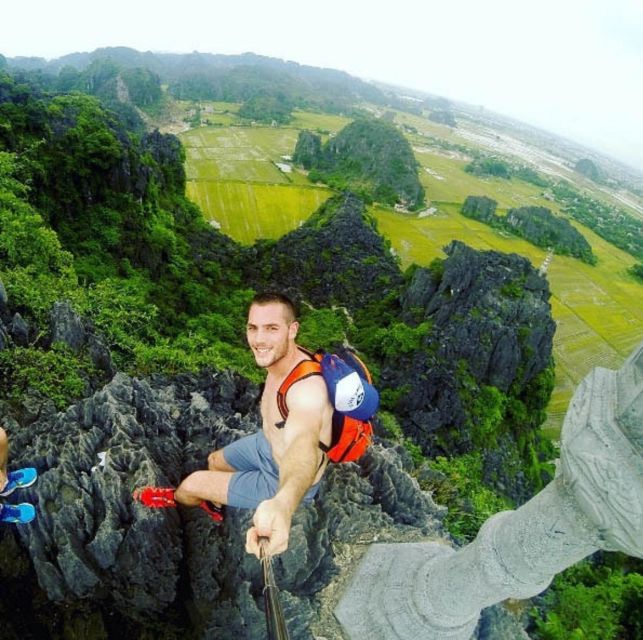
[268,297]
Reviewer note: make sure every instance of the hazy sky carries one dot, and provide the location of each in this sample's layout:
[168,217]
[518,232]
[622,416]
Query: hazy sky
[574,67]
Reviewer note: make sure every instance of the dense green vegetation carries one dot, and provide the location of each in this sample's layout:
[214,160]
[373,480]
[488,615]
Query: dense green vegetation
[308,152]
[458,482]
[251,79]
[608,221]
[489,167]
[500,168]
[84,201]
[597,599]
[200,76]
[536,224]
[540,226]
[370,157]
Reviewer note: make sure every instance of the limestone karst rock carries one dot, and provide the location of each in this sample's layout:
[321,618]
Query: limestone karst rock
[93,549]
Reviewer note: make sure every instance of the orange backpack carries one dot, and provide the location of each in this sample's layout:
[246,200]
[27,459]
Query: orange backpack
[350,436]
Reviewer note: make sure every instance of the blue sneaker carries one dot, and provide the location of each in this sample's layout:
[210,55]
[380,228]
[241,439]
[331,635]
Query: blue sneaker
[17,513]
[19,480]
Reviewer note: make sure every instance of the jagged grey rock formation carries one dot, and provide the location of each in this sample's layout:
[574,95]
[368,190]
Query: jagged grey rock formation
[67,327]
[13,327]
[108,568]
[489,309]
[97,555]
[19,330]
[490,322]
[595,502]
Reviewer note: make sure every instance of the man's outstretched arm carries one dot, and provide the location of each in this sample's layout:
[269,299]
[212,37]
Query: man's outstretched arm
[297,469]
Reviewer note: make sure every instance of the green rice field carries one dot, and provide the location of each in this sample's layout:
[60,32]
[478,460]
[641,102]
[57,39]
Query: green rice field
[247,211]
[241,178]
[445,180]
[243,181]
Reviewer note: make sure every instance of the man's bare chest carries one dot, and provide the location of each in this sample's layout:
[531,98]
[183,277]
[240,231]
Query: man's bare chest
[270,414]
[272,421]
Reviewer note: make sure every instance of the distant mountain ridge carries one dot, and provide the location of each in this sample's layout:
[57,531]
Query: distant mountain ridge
[405,98]
[215,76]
[171,66]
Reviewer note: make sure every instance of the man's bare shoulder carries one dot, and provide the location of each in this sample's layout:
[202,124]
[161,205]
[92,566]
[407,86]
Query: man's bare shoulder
[309,393]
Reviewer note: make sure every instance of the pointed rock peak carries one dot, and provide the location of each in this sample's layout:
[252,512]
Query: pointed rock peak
[337,257]
[346,208]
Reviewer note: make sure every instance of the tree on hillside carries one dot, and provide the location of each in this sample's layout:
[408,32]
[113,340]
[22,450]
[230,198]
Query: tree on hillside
[195,86]
[69,79]
[637,271]
[99,77]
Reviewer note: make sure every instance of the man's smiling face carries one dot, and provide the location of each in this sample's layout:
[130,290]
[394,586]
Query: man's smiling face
[270,331]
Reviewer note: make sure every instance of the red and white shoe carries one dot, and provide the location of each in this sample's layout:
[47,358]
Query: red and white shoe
[216,513]
[163,497]
[155,497]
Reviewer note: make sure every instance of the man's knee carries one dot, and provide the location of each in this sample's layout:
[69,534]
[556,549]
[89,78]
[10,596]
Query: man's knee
[217,461]
[190,491]
[4,439]
[189,485]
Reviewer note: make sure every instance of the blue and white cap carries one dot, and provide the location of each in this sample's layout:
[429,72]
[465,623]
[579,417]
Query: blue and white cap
[348,391]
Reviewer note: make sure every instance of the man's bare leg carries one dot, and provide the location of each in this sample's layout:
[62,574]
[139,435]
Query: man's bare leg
[4,457]
[209,485]
[204,485]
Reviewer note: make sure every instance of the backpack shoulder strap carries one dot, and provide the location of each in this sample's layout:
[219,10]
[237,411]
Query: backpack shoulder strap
[301,370]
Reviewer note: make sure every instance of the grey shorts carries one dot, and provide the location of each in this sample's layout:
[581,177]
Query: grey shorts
[257,475]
